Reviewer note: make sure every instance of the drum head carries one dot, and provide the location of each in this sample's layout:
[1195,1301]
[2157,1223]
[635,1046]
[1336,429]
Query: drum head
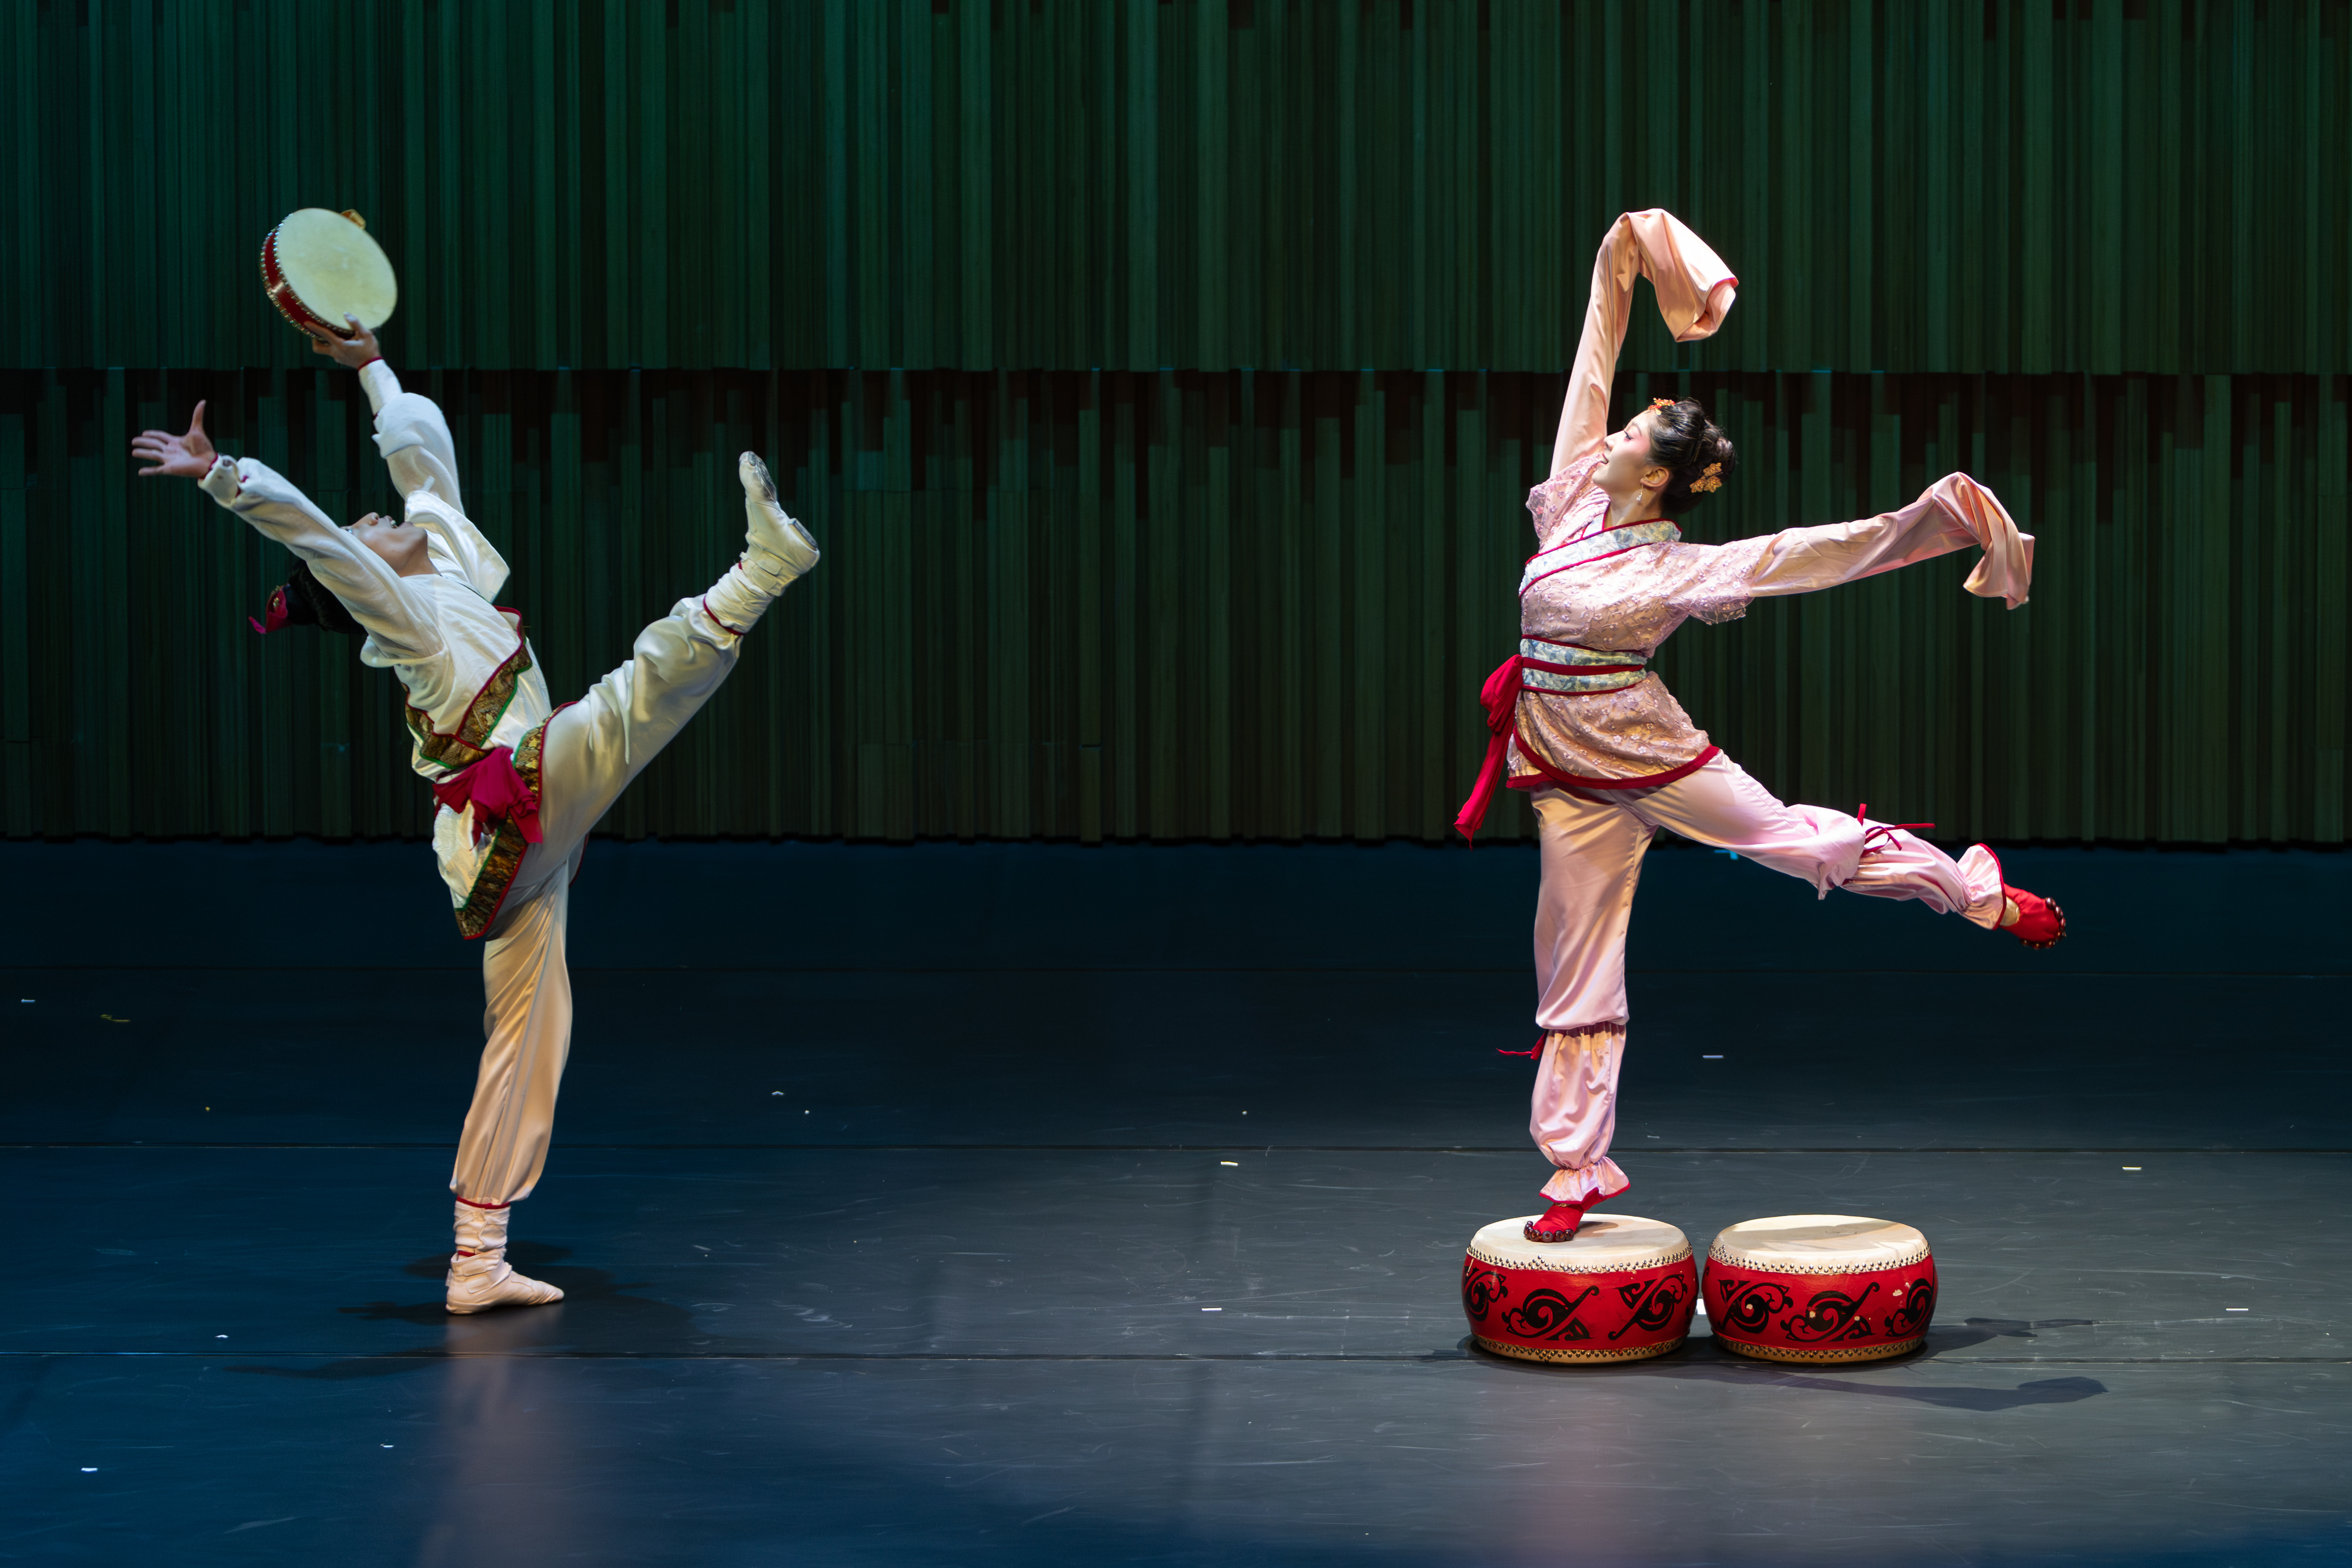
[1819,1244]
[1604,1244]
[320,266]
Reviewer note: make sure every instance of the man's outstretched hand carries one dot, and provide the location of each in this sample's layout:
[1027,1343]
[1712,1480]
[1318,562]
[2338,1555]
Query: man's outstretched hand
[188,456]
[355,351]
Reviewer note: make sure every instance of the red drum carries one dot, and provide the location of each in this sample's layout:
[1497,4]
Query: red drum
[1623,1290]
[1820,1287]
[319,267]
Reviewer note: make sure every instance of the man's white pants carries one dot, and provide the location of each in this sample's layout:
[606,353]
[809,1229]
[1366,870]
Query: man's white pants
[595,748]
[1591,844]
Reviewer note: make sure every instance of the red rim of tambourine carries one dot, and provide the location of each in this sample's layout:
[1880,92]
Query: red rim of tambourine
[281,293]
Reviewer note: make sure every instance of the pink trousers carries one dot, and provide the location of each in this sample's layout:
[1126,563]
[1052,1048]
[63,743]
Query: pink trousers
[1593,843]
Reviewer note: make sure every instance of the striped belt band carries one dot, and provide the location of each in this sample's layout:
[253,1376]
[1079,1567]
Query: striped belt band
[1549,666]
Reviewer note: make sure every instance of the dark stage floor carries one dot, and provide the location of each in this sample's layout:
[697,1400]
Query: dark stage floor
[891,1186]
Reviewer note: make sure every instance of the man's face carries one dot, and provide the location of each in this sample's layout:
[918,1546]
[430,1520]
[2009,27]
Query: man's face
[400,544]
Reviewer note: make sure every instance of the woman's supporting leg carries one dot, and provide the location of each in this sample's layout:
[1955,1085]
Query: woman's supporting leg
[1590,848]
[1719,805]
[1573,1117]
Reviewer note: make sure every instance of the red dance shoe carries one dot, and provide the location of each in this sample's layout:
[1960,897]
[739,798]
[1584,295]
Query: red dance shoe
[1558,1222]
[2039,923]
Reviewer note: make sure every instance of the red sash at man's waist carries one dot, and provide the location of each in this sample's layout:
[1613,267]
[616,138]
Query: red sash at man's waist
[497,792]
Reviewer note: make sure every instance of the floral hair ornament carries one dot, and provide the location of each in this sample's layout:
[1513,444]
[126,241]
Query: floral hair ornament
[1661,402]
[1708,481]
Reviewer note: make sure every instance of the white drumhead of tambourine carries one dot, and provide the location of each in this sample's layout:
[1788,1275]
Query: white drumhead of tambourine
[1604,1244]
[335,268]
[1819,1243]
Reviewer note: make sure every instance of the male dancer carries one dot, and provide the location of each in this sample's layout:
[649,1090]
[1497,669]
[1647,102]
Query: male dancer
[519,782]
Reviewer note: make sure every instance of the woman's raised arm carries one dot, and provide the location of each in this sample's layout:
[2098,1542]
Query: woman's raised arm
[1952,514]
[1694,292]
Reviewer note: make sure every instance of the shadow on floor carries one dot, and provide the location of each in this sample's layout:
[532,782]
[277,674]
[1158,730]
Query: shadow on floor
[1703,1360]
[596,1317]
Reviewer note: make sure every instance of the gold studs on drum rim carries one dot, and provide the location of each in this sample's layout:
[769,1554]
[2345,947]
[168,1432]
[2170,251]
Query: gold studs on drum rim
[1840,1352]
[1561,1353]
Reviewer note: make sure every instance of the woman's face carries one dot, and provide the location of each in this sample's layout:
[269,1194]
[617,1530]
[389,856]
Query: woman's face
[1625,466]
[400,546]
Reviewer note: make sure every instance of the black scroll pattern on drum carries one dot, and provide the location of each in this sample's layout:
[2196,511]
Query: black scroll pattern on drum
[1650,1302]
[1911,1314]
[1832,1315]
[1549,1315]
[1481,1288]
[1747,1305]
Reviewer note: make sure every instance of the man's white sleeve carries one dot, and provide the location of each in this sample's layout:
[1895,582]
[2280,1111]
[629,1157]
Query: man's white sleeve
[364,580]
[417,448]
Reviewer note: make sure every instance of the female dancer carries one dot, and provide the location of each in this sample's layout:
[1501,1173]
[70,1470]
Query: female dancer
[519,782]
[1610,756]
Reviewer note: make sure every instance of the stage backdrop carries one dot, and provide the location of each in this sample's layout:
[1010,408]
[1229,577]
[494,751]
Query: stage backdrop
[1164,379]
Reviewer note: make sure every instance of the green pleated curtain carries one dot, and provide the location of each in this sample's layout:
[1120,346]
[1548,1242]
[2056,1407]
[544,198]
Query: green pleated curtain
[1164,380]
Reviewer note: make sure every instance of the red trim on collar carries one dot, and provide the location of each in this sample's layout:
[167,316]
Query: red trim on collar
[1592,561]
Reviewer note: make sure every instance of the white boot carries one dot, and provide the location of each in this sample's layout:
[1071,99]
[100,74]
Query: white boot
[479,1275]
[776,551]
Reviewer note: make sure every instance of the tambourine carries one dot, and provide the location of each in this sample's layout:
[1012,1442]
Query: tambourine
[319,267]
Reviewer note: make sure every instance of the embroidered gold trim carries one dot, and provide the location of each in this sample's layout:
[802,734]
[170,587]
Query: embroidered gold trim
[508,846]
[470,742]
[491,882]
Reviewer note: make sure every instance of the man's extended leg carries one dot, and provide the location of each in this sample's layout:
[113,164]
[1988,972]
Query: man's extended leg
[595,747]
[593,750]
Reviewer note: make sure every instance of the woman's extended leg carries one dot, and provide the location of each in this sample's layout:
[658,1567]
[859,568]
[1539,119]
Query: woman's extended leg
[1592,850]
[1719,805]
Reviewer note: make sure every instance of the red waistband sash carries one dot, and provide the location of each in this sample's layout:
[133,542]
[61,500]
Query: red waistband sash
[1501,695]
[1548,669]
[498,793]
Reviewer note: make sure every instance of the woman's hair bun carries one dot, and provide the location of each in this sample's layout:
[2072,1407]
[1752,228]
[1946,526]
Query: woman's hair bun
[1694,450]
